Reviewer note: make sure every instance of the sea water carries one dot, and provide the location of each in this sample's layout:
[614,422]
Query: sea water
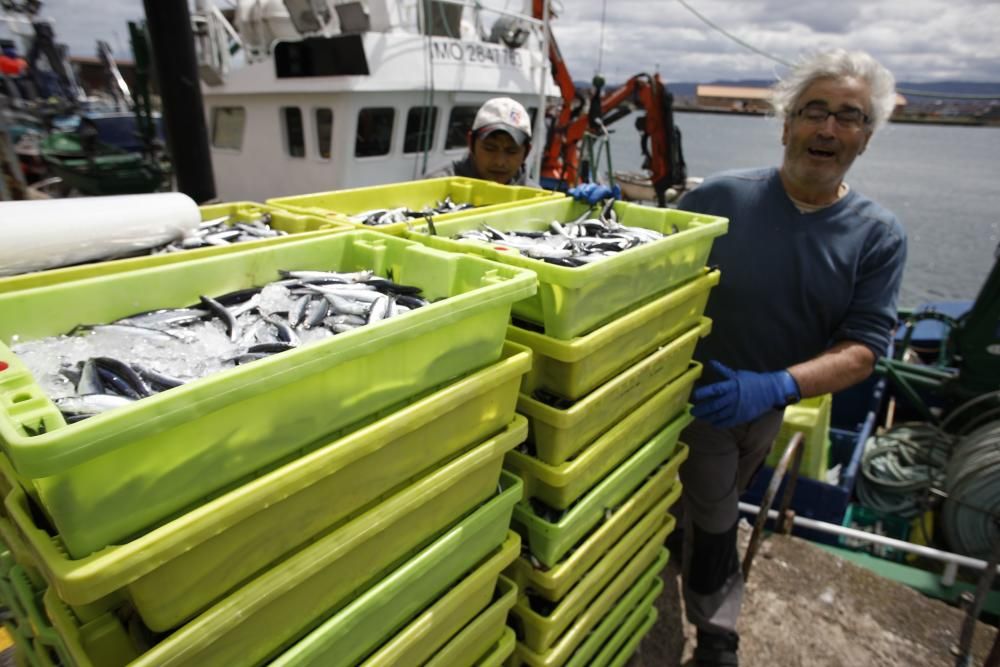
[942,181]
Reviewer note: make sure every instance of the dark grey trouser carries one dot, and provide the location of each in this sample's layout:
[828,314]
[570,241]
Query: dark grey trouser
[719,467]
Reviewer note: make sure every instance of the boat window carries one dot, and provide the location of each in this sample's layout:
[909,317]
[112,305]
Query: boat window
[459,124]
[295,140]
[324,132]
[227,127]
[442,19]
[374,131]
[420,124]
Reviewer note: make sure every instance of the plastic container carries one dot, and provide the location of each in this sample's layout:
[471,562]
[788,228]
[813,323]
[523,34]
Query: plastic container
[558,434]
[500,652]
[481,634]
[429,631]
[116,475]
[573,368]
[539,632]
[299,227]
[811,417]
[550,541]
[228,539]
[638,573]
[574,300]
[628,638]
[46,646]
[485,196]
[360,627]
[560,486]
[554,583]
[636,602]
[271,613]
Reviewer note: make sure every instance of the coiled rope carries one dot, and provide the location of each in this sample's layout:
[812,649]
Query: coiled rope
[970,513]
[900,466]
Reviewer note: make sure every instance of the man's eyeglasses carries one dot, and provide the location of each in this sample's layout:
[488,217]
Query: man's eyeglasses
[849,119]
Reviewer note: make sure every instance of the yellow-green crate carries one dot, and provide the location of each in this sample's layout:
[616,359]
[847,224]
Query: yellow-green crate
[47,647]
[359,628]
[575,300]
[554,583]
[549,541]
[500,652]
[485,196]
[231,537]
[811,417]
[573,368]
[560,486]
[272,611]
[638,573]
[108,478]
[637,600]
[539,632]
[628,638]
[481,634]
[558,434]
[298,227]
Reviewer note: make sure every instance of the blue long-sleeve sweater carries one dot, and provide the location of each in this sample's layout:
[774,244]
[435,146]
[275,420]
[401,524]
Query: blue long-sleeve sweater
[794,283]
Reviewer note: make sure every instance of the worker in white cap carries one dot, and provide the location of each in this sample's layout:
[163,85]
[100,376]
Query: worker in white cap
[499,141]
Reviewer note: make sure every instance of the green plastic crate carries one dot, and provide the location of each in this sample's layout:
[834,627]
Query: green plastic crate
[540,632]
[299,227]
[560,486]
[276,609]
[228,539]
[637,601]
[23,646]
[811,417]
[481,634]
[47,647]
[485,196]
[550,541]
[554,583]
[629,637]
[500,652]
[116,475]
[560,433]
[574,300]
[632,576]
[359,628]
[573,368]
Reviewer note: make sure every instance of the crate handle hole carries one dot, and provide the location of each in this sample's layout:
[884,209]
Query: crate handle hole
[20,398]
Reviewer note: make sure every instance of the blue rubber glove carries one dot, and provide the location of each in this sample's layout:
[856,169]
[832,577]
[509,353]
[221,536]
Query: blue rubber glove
[594,192]
[743,396]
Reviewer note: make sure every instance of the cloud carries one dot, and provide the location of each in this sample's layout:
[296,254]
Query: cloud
[920,40]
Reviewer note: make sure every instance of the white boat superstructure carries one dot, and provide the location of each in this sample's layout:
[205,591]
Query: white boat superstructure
[330,95]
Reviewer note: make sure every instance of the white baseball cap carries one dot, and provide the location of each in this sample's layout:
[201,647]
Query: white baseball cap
[506,115]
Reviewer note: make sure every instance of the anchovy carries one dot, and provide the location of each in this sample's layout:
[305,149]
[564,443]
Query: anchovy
[118,370]
[155,334]
[223,313]
[154,377]
[90,405]
[90,379]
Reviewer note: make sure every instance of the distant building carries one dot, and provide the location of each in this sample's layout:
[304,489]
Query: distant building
[750,99]
[733,98]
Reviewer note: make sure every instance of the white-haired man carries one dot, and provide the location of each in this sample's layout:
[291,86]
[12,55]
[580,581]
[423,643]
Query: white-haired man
[811,271]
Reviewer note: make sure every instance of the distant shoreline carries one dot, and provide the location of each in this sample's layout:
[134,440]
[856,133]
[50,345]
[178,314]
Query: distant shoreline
[965,121]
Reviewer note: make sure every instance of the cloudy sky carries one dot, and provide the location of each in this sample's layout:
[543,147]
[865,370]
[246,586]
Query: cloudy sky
[919,40]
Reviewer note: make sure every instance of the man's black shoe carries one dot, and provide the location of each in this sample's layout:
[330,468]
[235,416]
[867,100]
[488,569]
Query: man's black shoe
[717,649]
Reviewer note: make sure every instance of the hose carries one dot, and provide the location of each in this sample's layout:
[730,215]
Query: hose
[970,513]
[900,466]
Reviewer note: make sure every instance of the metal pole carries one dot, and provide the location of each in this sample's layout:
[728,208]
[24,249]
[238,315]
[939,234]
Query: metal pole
[538,140]
[964,651]
[909,547]
[792,456]
[170,34]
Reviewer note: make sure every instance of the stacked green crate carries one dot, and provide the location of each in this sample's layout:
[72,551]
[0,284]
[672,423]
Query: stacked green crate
[606,401]
[403,501]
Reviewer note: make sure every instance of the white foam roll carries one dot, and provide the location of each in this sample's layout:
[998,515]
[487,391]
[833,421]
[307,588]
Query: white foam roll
[44,234]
